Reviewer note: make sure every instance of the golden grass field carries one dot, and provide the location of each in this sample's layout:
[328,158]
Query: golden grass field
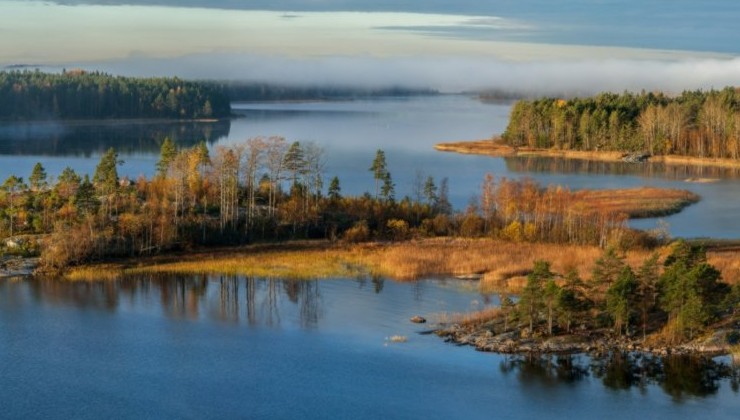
[501,265]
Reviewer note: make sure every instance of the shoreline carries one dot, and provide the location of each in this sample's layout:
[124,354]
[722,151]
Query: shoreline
[482,259]
[594,342]
[491,147]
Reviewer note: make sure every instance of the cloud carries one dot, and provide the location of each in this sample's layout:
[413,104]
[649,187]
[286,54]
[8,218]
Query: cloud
[448,73]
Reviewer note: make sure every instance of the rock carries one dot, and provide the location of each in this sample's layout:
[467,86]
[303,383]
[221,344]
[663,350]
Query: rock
[637,157]
[418,319]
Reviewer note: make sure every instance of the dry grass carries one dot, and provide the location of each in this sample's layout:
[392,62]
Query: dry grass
[635,202]
[503,265]
[727,262]
[304,262]
[96,272]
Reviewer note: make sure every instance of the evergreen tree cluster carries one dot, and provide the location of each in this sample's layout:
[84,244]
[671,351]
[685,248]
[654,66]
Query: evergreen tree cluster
[81,95]
[676,299]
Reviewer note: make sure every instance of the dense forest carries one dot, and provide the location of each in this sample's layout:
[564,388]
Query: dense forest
[92,95]
[269,189]
[695,123]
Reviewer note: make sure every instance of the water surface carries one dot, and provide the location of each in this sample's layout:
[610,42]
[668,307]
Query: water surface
[215,347]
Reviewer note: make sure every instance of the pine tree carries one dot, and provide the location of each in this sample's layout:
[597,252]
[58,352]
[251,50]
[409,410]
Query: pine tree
[38,177]
[647,289]
[379,170]
[167,154]
[620,298]
[388,190]
[531,300]
[12,186]
[334,190]
[430,191]
[294,161]
[106,173]
[85,200]
[105,178]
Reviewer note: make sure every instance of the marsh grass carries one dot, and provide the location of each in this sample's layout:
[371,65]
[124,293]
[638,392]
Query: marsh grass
[107,272]
[636,202]
[503,265]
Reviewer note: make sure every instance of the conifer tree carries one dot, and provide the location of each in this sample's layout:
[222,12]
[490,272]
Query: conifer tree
[38,177]
[167,154]
[379,169]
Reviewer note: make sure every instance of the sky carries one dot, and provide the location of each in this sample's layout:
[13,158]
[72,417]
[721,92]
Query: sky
[522,45]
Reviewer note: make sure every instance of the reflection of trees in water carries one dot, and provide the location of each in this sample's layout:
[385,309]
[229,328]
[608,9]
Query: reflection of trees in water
[84,139]
[681,377]
[100,295]
[262,302]
[546,370]
[179,295]
[578,166]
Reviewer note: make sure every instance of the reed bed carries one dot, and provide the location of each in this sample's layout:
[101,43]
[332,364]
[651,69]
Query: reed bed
[636,202]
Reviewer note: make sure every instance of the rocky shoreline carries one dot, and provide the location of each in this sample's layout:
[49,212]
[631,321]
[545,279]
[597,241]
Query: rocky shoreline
[17,266]
[597,343]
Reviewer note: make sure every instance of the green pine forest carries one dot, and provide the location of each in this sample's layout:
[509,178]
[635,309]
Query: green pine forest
[77,94]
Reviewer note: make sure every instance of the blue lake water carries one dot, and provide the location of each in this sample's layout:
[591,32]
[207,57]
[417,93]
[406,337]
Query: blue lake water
[224,347]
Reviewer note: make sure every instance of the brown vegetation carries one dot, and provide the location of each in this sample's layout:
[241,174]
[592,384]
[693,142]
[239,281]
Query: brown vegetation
[497,260]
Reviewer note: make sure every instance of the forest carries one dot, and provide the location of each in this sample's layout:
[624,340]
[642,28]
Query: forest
[77,94]
[694,123]
[267,189]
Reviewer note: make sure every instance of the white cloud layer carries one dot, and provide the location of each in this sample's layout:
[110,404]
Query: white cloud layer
[449,74]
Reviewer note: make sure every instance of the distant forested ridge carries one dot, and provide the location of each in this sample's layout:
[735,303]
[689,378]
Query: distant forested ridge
[92,95]
[695,123]
[244,91]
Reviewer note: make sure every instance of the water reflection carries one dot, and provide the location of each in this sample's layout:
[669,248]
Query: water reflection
[680,377]
[550,165]
[236,299]
[88,138]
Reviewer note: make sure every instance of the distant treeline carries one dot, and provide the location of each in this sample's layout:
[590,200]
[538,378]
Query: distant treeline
[695,123]
[270,92]
[91,95]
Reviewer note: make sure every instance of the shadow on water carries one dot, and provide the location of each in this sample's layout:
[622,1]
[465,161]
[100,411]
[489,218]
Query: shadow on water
[680,377]
[87,138]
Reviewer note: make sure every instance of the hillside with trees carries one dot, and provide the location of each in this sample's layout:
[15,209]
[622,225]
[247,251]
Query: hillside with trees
[694,123]
[76,94]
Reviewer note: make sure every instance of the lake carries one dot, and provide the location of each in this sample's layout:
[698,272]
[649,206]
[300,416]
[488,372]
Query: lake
[225,347]
[214,347]
[351,131]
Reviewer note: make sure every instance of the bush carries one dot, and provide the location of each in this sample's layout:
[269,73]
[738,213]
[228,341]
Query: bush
[398,229]
[357,233]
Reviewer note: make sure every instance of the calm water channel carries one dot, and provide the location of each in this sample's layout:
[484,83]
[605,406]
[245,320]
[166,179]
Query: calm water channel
[225,347]
[351,132]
